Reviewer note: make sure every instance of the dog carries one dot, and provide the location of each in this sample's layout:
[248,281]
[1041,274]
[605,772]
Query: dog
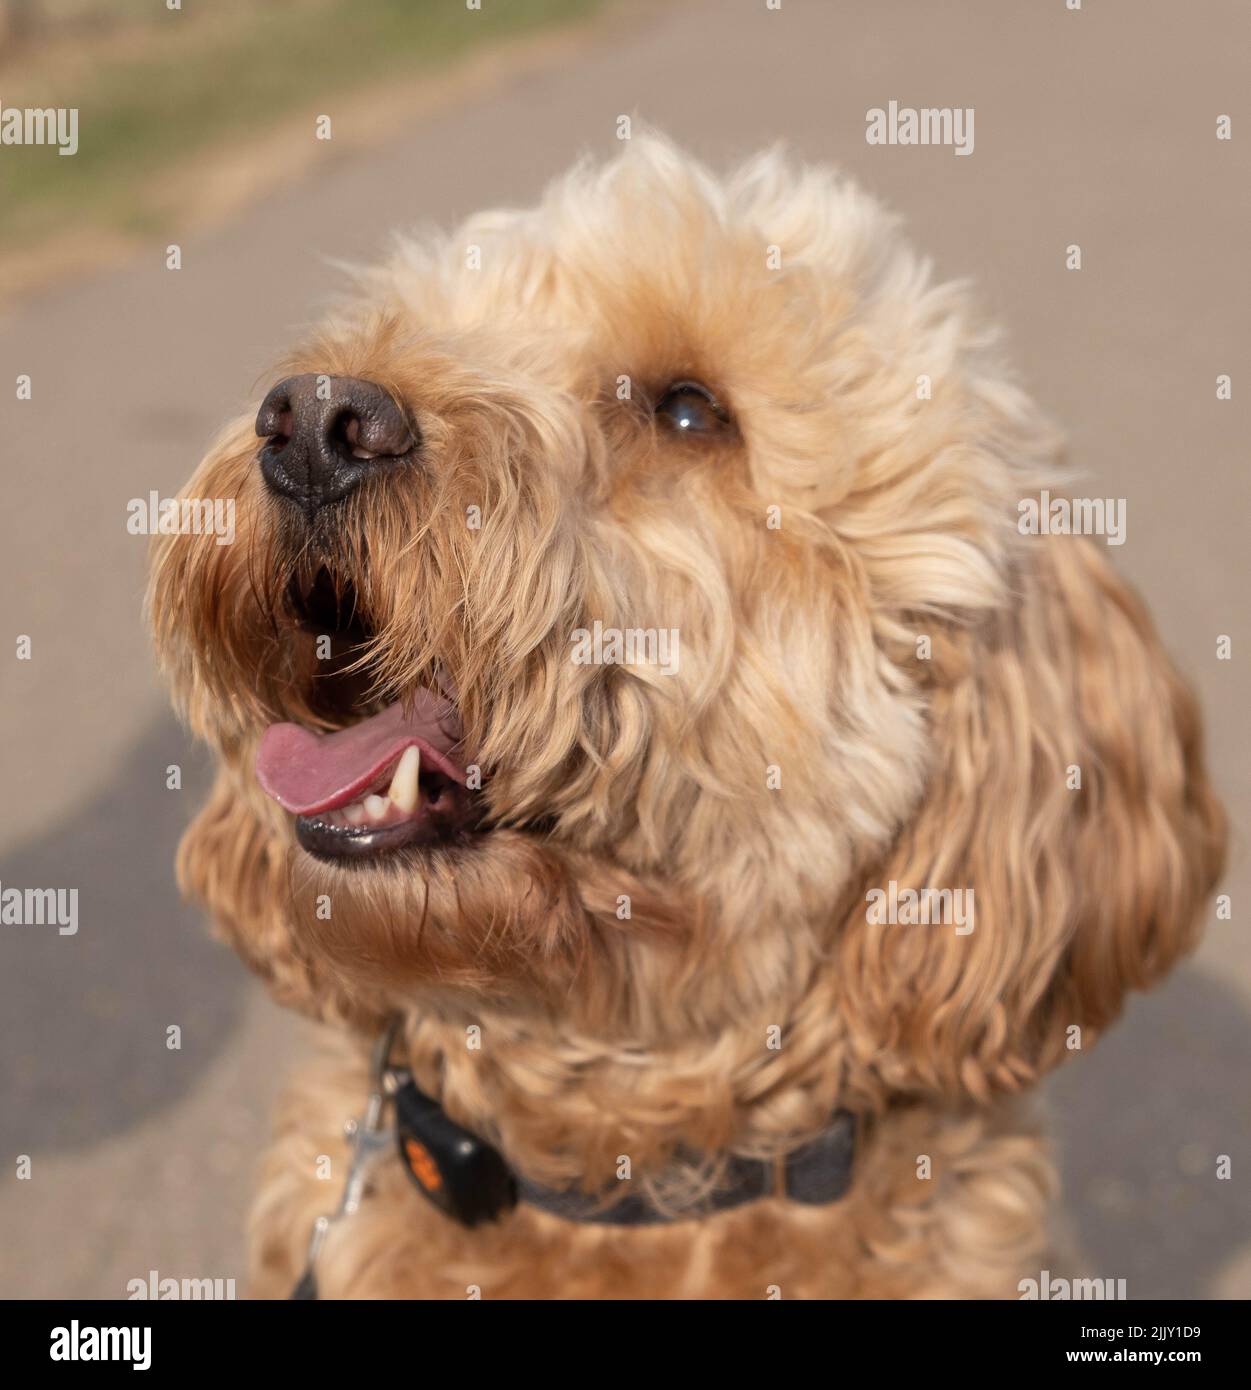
[628,647]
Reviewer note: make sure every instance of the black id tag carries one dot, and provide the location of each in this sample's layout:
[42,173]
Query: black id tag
[464,1176]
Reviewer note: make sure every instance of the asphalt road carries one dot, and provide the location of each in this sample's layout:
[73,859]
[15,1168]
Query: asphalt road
[1095,127]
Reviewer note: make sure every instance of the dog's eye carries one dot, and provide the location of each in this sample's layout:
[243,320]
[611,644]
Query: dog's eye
[691,408]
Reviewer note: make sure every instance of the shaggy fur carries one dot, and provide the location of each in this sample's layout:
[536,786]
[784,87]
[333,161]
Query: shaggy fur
[650,1036]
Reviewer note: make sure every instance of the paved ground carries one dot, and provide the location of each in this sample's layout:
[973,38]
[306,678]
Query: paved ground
[1094,127]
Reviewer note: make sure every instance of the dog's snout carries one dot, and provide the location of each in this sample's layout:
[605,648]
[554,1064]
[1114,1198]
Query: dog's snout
[325,434]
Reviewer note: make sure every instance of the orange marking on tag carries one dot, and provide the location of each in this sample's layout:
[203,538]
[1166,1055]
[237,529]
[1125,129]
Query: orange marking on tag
[425,1170]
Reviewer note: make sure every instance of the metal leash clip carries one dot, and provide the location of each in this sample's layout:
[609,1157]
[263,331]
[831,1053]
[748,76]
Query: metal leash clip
[369,1140]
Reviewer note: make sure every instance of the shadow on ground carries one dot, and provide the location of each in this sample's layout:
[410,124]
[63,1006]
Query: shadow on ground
[1141,1124]
[86,1015]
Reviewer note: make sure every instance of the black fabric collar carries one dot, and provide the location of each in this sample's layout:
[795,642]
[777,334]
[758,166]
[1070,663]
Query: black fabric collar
[814,1174]
[471,1182]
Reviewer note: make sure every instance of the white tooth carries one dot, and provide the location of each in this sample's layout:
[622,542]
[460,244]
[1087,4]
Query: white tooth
[355,813]
[376,807]
[404,789]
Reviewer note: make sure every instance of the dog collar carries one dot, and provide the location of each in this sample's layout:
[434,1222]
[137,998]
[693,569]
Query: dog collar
[816,1173]
[471,1182]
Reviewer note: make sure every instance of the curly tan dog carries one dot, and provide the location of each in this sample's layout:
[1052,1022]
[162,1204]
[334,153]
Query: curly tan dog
[614,620]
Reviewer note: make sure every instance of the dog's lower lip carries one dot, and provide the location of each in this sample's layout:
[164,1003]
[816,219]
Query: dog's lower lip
[452,816]
[326,841]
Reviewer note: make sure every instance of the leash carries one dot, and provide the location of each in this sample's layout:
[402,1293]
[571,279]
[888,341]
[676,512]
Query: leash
[471,1182]
[463,1175]
[369,1141]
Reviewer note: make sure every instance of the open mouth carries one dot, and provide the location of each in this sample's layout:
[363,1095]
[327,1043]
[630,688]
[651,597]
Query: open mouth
[393,777]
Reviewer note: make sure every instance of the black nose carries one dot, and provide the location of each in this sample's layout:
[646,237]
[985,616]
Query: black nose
[324,434]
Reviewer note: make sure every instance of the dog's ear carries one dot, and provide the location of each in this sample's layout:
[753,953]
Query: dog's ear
[1068,793]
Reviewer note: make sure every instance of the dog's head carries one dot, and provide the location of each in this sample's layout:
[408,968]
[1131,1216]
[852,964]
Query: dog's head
[622,591]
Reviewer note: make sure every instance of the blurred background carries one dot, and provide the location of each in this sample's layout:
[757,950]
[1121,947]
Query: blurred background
[197,127]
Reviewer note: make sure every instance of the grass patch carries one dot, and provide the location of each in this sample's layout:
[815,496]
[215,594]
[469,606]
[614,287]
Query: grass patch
[157,88]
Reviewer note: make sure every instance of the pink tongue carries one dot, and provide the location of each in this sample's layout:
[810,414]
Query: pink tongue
[307,772]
